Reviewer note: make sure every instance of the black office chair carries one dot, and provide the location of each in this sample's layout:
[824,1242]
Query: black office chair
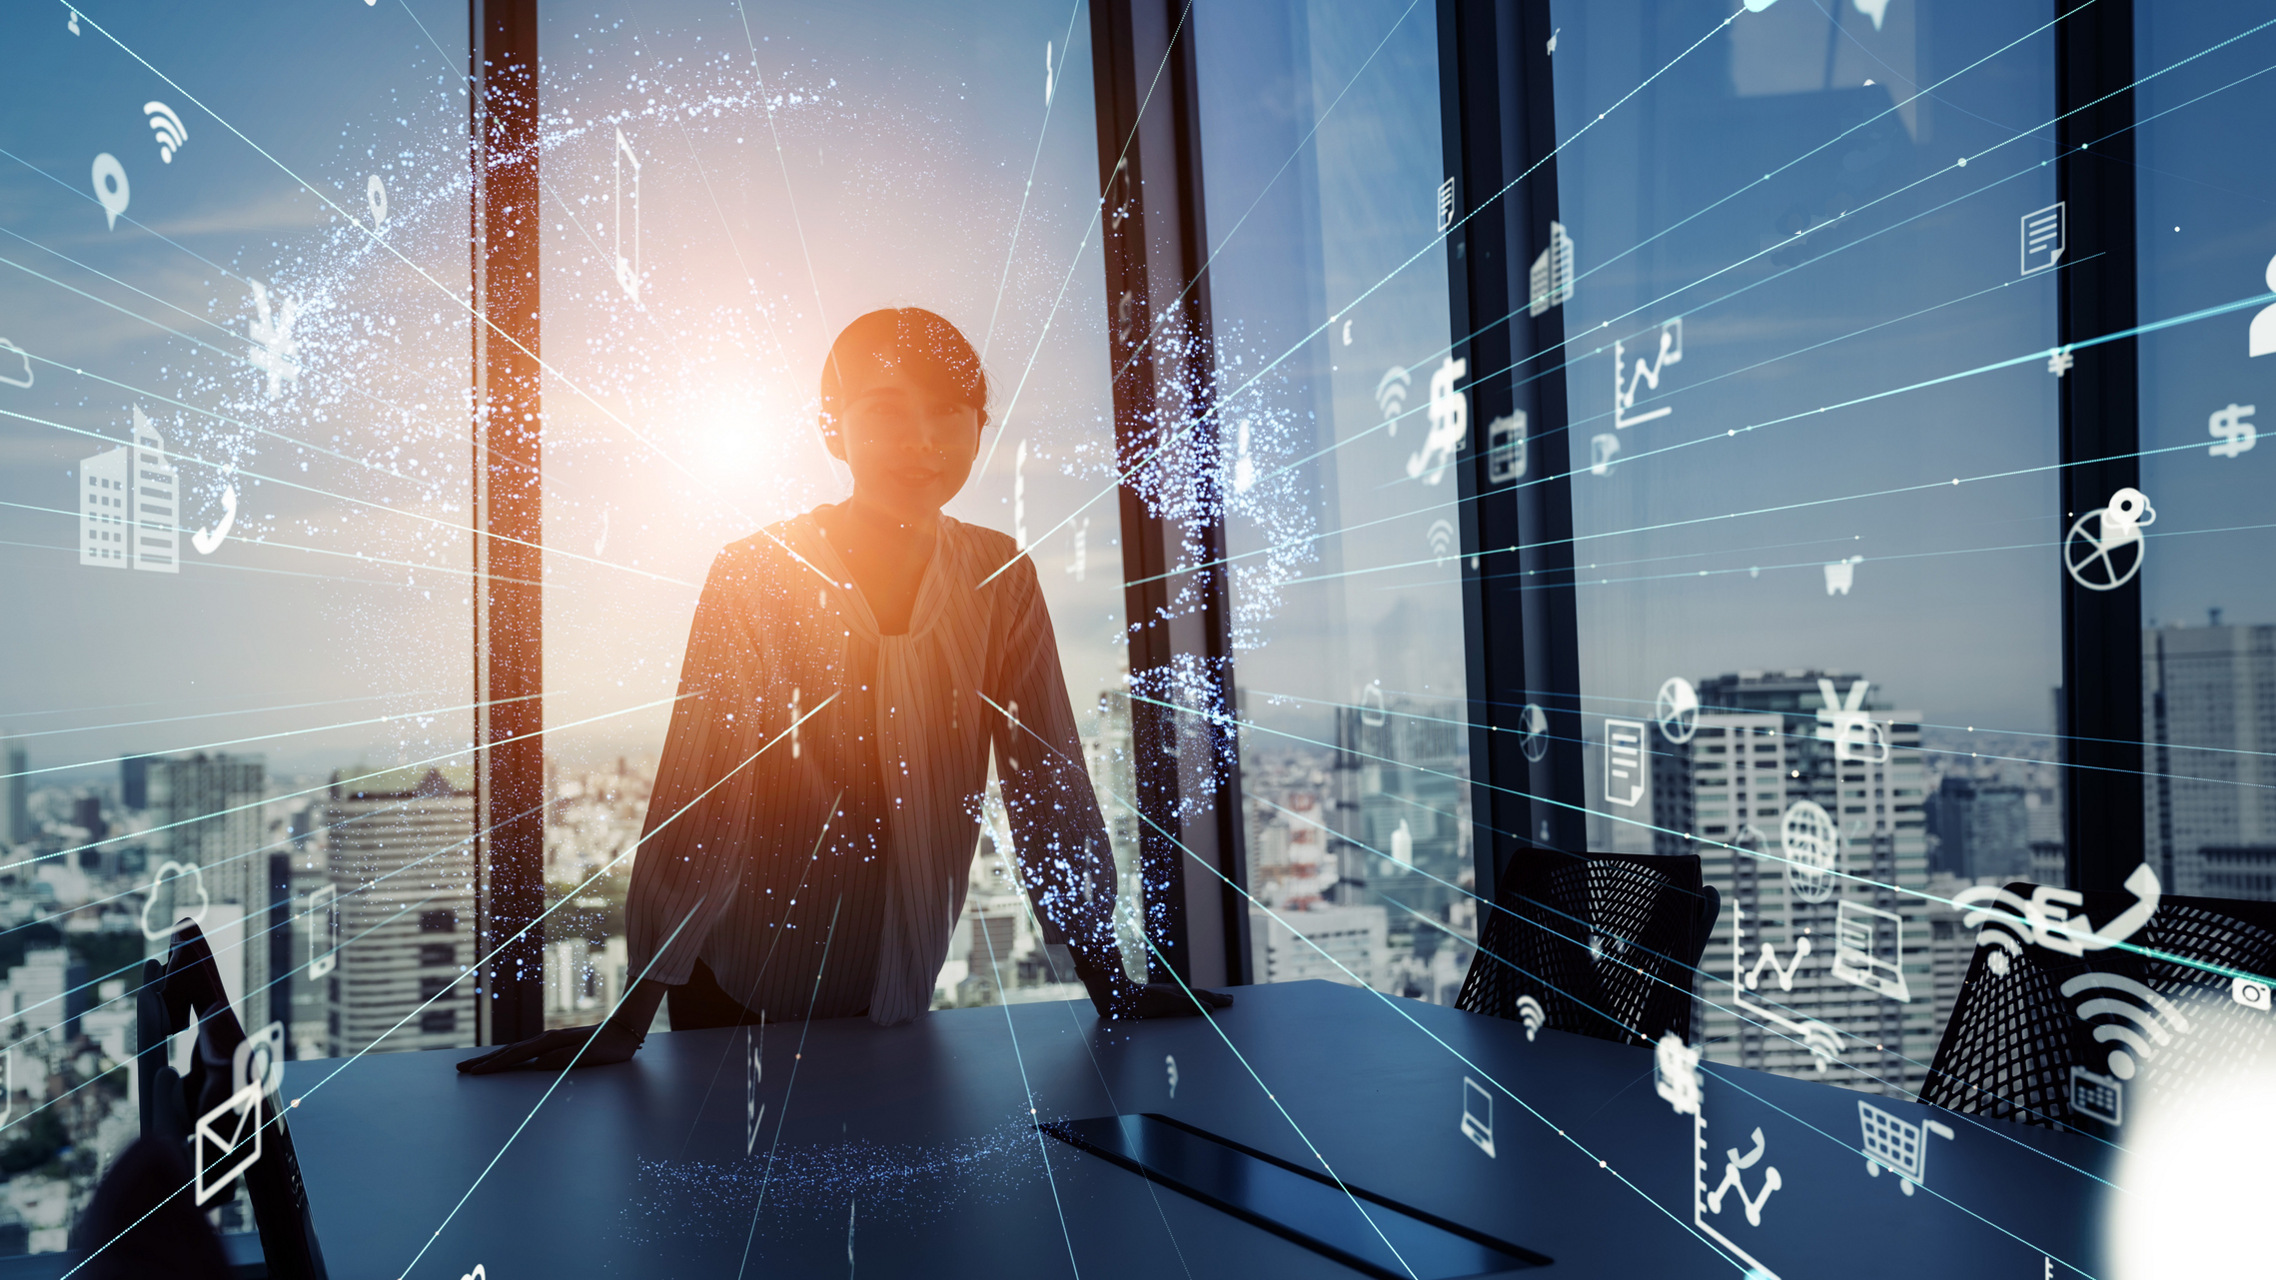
[2014,1037]
[1604,944]
[187,988]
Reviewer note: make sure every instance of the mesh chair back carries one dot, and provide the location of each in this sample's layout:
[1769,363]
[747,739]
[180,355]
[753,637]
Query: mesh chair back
[184,992]
[1600,944]
[2016,1037]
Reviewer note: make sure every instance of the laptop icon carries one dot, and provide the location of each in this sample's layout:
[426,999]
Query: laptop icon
[1478,1115]
[228,1141]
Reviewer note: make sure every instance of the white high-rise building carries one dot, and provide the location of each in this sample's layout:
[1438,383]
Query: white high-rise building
[128,505]
[1767,744]
[1340,944]
[401,860]
[208,813]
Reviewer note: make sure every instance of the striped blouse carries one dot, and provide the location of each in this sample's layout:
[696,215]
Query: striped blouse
[815,815]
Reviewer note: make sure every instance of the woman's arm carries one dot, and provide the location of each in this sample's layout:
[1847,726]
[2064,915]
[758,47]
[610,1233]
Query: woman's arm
[1066,861]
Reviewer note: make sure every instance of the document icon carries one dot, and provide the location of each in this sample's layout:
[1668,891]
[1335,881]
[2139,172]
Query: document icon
[228,1141]
[1623,761]
[2042,238]
[1860,943]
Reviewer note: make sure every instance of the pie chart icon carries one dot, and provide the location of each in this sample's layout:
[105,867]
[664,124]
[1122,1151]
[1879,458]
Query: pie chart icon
[2103,551]
[1533,735]
[1678,710]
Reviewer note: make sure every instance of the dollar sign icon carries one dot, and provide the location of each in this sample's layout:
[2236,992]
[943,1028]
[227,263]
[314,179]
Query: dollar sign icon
[2233,433]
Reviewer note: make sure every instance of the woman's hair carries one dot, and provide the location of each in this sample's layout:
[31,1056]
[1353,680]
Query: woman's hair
[927,346]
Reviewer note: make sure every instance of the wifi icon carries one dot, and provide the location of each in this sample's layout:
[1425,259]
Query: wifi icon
[1530,1012]
[1441,538]
[2144,1018]
[168,128]
[1391,395]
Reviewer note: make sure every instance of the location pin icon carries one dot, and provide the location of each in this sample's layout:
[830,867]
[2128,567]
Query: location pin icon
[375,192]
[110,186]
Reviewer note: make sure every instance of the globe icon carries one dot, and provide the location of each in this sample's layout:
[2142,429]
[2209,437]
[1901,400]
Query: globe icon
[1813,851]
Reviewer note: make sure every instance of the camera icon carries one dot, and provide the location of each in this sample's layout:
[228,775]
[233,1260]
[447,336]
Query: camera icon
[2251,993]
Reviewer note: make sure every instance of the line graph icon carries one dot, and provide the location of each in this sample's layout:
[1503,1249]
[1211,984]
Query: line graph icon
[627,268]
[1734,1179]
[2104,549]
[1626,383]
[1821,1039]
[167,128]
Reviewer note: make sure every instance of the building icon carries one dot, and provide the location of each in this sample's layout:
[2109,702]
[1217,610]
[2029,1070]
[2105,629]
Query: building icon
[1551,282]
[127,505]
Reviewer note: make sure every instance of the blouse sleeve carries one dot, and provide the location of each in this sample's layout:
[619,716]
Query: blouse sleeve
[1065,859]
[699,812]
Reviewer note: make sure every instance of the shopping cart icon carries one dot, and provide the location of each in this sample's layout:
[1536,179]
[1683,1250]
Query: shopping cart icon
[1900,1148]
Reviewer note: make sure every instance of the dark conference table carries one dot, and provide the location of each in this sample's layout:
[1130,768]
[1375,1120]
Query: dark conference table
[920,1136]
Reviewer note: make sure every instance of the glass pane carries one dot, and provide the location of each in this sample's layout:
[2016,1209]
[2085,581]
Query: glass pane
[232,393]
[1328,278]
[2208,610]
[1815,584]
[710,228]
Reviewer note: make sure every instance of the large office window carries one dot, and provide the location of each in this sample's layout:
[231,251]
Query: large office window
[233,371]
[710,224]
[2208,615]
[1342,416]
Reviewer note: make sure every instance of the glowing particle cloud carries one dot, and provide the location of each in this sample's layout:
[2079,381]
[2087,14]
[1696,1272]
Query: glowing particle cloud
[2043,233]
[271,332]
[2231,431]
[375,195]
[2260,338]
[1623,762]
[1891,1143]
[1478,1116]
[1626,383]
[1813,850]
[1530,1013]
[2103,551]
[111,190]
[167,128]
[627,268]
[1869,948]
[1841,575]
[1677,710]
[1550,281]
[1244,466]
[7,366]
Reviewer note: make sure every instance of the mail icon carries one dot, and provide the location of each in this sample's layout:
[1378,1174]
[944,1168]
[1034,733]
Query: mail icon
[228,1141]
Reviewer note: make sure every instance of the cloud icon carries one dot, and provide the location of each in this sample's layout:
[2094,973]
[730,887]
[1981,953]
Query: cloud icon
[8,366]
[179,870]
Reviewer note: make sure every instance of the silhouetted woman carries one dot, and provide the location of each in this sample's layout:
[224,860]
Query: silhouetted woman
[847,674]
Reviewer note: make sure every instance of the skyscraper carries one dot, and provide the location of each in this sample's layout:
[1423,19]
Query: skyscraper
[207,812]
[1983,829]
[15,790]
[2209,713]
[402,862]
[1818,959]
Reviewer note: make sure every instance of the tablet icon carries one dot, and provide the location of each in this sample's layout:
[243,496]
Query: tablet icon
[1869,949]
[1478,1116]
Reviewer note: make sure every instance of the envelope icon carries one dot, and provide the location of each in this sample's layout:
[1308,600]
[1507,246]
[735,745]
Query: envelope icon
[228,1141]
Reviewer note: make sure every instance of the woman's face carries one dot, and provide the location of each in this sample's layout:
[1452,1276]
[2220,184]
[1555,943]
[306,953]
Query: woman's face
[910,445]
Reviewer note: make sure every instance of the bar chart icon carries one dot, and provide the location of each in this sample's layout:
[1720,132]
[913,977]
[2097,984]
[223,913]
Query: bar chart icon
[2044,236]
[1623,761]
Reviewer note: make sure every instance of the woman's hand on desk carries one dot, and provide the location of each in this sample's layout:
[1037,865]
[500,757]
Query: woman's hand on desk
[613,1041]
[557,1049]
[1168,1000]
